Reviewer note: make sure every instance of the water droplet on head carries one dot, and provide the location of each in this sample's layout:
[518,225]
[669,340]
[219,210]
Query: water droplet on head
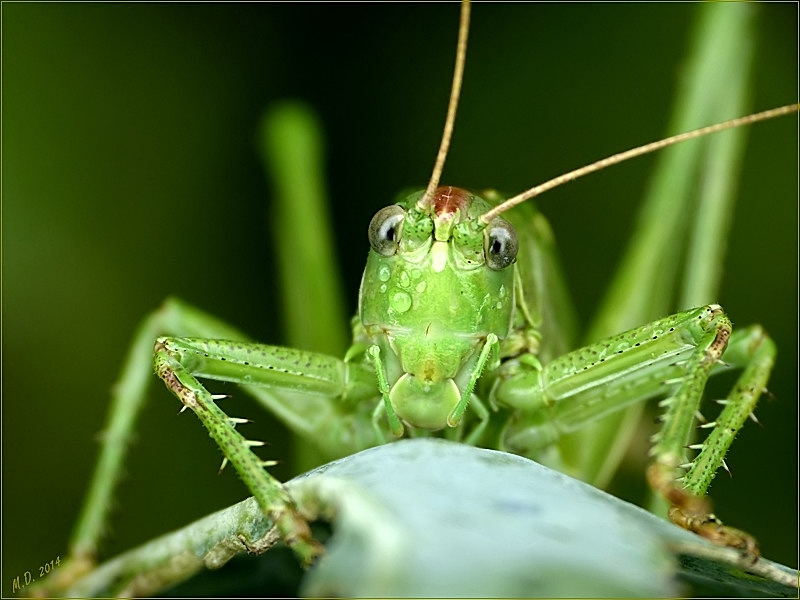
[384,273]
[405,280]
[400,301]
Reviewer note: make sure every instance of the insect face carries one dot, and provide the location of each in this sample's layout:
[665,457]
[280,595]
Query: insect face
[437,283]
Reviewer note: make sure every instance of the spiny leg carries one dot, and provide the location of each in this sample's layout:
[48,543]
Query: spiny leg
[268,491]
[752,349]
[680,352]
[128,396]
[316,385]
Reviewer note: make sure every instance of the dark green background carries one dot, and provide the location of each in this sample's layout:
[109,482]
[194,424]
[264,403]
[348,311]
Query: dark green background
[130,173]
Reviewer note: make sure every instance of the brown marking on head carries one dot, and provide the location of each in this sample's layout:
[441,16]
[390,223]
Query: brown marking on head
[447,200]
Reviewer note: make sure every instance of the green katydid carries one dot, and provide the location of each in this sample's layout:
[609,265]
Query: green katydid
[489,352]
[450,316]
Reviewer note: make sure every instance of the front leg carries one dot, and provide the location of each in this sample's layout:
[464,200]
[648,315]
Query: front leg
[318,396]
[268,491]
[307,414]
[753,350]
[672,356]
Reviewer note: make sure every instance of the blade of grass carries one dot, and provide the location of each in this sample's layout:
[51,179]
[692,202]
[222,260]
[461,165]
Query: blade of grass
[713,87]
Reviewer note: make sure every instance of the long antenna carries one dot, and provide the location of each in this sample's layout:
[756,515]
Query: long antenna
[634,152]
[455,91]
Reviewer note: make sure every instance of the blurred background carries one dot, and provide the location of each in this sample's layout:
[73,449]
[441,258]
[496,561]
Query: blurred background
[130,173]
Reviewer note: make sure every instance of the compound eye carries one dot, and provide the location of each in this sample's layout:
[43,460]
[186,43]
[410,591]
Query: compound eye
[384,229]
[500,244]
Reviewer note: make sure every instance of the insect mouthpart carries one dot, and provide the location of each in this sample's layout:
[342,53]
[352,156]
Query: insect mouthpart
[424,404]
